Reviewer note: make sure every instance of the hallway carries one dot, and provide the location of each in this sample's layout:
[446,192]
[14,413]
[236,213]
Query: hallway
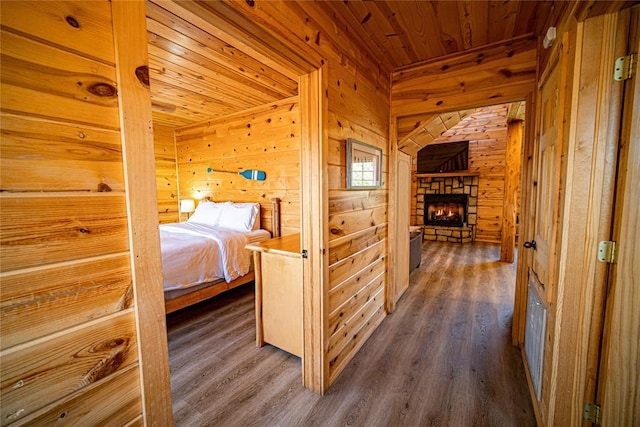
[444,357]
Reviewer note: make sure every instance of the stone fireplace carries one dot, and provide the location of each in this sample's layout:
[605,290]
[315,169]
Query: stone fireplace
[447,208]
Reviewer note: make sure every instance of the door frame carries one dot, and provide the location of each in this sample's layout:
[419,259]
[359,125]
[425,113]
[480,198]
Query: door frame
[524,227]
[473,97]
[312,93]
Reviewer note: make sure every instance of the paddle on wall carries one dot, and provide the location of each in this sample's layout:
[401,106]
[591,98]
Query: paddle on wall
[252,174]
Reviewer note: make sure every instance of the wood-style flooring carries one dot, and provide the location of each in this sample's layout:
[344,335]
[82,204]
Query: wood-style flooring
[443,358]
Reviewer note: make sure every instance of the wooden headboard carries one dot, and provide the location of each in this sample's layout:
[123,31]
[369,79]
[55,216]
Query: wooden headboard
[269,216]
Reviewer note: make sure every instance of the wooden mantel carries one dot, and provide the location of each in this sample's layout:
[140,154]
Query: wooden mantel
[444,174]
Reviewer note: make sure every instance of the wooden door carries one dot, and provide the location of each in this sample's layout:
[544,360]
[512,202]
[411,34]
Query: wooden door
[403,211]
[541,242]
[619,374]
[546,181]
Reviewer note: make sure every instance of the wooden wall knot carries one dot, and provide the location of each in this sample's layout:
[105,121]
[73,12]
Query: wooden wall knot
[251,3]
[103,90]
[111,362]
[103,188]
[72,21]
[142,74]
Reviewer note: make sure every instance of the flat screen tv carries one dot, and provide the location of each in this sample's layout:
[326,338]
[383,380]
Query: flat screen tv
[445,157]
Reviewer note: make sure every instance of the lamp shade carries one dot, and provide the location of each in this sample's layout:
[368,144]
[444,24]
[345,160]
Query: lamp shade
[187,205]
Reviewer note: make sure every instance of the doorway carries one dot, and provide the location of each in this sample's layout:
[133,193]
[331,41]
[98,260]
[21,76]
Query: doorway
[490,186]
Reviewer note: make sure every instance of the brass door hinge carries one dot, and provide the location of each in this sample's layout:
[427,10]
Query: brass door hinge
[592,413]
[607,251]
[623,68]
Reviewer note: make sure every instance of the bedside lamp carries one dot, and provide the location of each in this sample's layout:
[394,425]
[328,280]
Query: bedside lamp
[187,206]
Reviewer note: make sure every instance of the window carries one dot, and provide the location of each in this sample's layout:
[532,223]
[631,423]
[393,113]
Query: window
[364,165]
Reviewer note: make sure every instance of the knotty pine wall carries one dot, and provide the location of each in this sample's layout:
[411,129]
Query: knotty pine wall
[359,109]
[69,346]
[265,138]
[491,75]
[487,156]
[166,174]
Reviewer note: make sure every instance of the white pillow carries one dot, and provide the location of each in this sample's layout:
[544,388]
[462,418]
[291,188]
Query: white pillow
[207,213]
[256,223]
[239,216]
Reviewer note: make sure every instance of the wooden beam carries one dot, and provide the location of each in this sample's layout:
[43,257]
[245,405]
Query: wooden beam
[315,217]
[390,288]
[511,190]
[130,39]
[492,75]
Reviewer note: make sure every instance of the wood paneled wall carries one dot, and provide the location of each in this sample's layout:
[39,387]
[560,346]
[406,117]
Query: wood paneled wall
[69,345]
[487,156]
[166,174]
[357,218]
[265,138]
[358,107]
[490,75]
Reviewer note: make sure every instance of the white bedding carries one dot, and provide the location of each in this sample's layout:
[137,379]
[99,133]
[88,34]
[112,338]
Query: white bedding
[193,253]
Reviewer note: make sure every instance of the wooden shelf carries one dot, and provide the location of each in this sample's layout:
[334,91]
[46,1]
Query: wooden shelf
[444,174]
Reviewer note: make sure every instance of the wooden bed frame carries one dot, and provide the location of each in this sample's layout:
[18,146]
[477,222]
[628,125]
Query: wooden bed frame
[270,221]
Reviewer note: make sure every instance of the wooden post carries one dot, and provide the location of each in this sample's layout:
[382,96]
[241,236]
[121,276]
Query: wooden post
[257,266]
[526,225]
[390,288]
[511,190]
[315,217]
[130,38]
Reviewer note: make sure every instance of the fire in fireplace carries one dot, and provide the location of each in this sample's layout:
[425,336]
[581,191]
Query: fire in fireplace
[449,210]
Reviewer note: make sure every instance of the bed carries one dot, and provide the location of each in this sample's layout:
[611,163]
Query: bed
[206,255]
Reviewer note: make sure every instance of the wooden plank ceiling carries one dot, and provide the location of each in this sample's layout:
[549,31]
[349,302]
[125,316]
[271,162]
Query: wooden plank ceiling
[402,33]
[477,124]
[195,75]
[200,67]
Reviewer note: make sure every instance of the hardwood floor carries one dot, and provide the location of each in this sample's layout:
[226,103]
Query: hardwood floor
[443,358]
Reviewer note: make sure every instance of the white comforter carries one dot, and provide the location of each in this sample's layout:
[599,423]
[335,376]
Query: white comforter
[194,253]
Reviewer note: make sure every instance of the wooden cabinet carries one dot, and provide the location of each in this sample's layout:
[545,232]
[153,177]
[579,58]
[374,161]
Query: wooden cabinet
[278,270]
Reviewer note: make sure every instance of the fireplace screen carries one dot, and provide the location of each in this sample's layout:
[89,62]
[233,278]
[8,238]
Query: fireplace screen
[448,210]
